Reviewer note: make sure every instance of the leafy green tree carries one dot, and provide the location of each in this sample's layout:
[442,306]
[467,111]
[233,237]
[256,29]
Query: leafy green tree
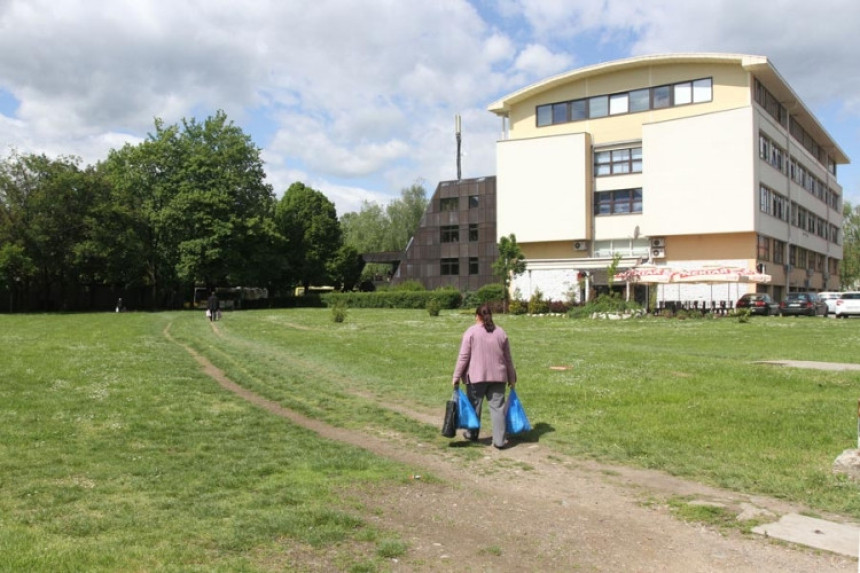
[45,202]
[510,264]
[199,206]
[16,269]
[404,216]
[345,268]
[308,222]
[849,271]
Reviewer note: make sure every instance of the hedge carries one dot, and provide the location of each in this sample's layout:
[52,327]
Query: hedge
[446,298]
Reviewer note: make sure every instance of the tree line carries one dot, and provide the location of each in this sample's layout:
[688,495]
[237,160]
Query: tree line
[189,206]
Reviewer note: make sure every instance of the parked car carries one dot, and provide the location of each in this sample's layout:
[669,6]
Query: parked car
[758,303]
[847,304]
[830,298]
[803,303]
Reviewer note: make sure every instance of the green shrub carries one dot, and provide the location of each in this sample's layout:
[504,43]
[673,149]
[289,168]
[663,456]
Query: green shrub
[537,304]
[518,306]
[338,311]
[490,293]
[433,307]
[409,286]
[604,303]
[446,297]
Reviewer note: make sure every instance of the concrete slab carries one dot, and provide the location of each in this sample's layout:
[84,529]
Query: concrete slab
[811,365]
[835,537]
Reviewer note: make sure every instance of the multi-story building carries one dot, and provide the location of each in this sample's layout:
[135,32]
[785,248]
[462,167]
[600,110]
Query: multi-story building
[455,244]
[683,160]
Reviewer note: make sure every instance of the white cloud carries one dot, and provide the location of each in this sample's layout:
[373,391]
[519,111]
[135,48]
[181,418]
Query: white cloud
[359,97]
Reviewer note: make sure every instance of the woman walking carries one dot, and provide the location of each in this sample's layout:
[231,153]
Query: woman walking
[485,365]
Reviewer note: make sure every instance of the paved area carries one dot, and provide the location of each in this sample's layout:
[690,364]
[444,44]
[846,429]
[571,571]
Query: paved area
[808,364]
[836,537]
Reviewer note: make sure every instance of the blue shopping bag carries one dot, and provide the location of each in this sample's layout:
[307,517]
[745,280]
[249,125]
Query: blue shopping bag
[516,421]
[466,417]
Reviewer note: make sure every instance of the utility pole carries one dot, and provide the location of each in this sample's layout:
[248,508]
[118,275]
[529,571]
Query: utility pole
[459,139]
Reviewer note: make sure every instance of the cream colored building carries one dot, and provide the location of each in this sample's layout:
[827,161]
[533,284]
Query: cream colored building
[684,160]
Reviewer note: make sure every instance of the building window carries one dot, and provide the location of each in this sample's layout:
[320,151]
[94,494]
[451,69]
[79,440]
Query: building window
[449,234]
[449,267]
[618,161]
[644,99]
[778,252]
[473,265]
[763,250]
[618,202]
[449,203]
[473,232]
[474,201]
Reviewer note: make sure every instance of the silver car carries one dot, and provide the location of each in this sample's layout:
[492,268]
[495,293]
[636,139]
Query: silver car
[847,304]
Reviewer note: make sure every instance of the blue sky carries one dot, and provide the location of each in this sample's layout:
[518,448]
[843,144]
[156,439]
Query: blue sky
[357,98]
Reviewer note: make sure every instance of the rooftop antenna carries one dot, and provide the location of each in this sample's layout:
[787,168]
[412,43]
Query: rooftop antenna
[459,139]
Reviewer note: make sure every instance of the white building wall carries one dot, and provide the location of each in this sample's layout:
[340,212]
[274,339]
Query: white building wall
[698,175]
[554,283]
[542,188]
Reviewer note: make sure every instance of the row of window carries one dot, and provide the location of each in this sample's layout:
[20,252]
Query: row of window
[453,203]
[618,161]
[681,93]
[451,267]
[618,202]
[777,111]
[798,257]
[775,156]
[778,206]
[451,233]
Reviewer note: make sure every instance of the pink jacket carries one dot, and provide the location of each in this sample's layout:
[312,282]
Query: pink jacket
[485,357]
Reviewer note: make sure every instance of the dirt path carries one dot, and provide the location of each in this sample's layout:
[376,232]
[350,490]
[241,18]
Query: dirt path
[527,508]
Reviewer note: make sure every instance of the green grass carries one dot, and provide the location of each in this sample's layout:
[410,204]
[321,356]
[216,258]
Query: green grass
[117,453]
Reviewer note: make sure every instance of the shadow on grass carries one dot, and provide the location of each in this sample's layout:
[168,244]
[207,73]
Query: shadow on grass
[531,437]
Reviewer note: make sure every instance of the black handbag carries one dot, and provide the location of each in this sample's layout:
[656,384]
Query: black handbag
[449,426]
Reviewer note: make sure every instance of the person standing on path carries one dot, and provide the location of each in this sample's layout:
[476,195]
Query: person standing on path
[213,305]
[485,365]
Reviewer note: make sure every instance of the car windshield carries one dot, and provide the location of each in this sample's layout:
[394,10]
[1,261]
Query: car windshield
[797,296]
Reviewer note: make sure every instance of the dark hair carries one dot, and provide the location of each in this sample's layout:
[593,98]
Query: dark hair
[486,314]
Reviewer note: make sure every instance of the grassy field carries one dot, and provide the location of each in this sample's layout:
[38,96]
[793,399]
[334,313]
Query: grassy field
[118,453]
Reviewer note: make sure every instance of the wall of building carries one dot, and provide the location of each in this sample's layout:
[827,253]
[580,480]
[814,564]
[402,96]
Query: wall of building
[544,191]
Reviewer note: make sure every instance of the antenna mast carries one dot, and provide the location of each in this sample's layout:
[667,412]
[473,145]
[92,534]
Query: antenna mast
[459,139]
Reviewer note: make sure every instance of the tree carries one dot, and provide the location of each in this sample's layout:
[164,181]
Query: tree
[404,216]
[45,202]
[308,222]
[345,268]
[510,264]
[849,271]
[199,203]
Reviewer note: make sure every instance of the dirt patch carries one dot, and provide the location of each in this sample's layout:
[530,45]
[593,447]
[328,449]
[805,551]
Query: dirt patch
[527,508]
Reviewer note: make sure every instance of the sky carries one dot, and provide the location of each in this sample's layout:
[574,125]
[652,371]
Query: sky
[357,98]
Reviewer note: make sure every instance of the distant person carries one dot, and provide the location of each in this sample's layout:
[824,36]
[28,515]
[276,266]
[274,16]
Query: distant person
[485,365]
[213,306]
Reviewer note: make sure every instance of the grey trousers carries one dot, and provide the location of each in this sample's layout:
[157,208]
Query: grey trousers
[494,392]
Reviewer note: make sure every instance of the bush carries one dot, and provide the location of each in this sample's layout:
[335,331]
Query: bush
[518,306]
[537,304]
[433,307]
[446,297]
[605,303]
[338,312]
[409,286]
[490,293]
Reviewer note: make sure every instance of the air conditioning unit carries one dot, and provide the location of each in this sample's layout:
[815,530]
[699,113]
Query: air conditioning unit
[580,245]
[658,253]
[658,243]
